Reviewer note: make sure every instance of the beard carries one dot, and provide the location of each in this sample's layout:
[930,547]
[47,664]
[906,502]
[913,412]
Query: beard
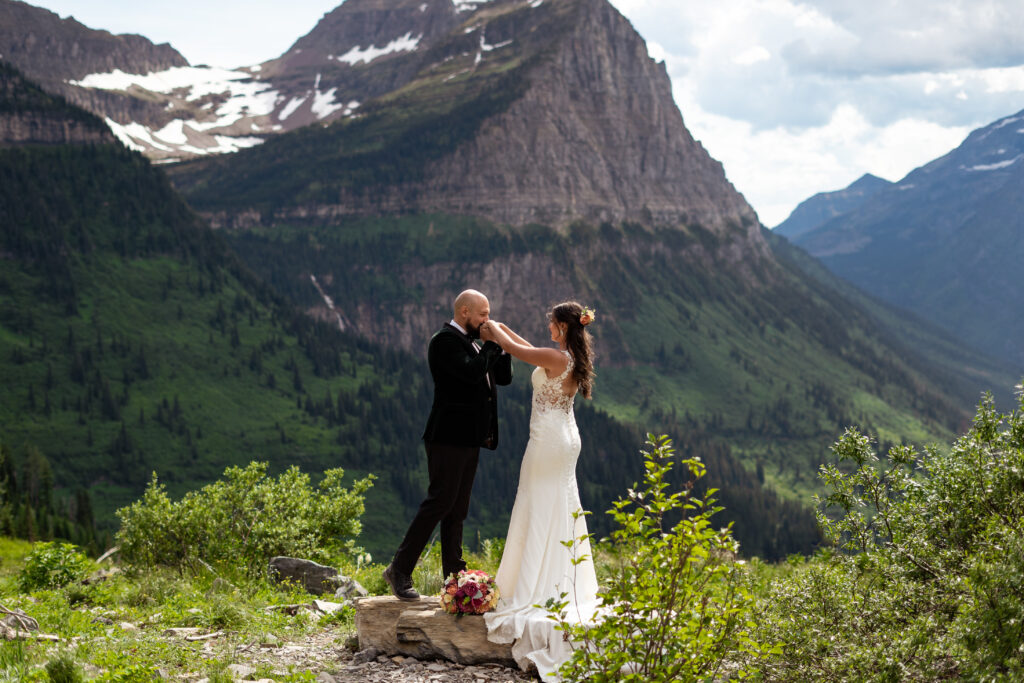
[472,332]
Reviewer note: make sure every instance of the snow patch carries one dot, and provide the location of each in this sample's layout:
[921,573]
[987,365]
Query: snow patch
[536,3]
[468,5]
[244,95]
[121,134]
[406,43]
[290,108]
[908,186]
[487,48]
[173,133]
[324,104]
[1007,121]
[996,166]
[423,7]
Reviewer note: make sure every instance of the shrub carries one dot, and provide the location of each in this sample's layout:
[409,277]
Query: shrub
[928,583]
[63,669]
[52,565]
[243,520]
[674,607]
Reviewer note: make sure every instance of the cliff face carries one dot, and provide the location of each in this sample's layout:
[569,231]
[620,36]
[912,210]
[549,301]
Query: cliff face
[30,116]
[597,136]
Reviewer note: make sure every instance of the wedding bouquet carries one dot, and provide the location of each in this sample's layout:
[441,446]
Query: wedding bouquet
[471,592]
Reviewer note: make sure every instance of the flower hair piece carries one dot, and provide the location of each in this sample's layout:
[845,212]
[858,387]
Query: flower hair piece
[587,316]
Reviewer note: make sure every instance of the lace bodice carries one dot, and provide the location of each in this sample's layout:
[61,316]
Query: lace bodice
[547,393]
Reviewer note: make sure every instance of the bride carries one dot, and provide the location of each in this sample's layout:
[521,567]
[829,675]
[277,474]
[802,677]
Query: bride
[536,565]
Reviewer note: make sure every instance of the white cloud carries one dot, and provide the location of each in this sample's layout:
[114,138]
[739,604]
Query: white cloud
[752,55]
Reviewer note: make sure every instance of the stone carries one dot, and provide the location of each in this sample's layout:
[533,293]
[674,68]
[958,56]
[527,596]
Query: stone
[421,629]
[315,578]
[327,607]
[324,677]
[241,670]
[182,632]
[17,619]
[368,655]
[101,575]
[350,588]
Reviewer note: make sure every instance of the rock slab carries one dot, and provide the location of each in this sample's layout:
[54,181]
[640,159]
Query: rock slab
[421,629]
[315,578]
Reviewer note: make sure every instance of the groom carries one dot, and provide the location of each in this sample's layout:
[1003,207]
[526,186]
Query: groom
[463,418]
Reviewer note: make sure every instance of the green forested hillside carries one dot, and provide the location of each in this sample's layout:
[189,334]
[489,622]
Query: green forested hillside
[773,363]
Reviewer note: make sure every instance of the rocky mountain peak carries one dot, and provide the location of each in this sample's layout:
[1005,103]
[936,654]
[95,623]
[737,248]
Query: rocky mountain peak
[51,50]
[357,31]
[597,135]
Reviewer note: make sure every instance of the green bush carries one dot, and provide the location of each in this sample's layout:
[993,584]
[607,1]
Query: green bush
[243,520]
[52,565]
[675,607]
[928,583]
[63,669]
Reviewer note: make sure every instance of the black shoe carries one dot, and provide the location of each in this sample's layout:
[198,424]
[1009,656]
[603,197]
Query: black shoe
[401,584]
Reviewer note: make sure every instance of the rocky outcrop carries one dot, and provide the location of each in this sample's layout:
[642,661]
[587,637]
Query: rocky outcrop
[33,128]
[30,116]
[421,629]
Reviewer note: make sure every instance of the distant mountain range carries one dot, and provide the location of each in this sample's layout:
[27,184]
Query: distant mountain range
[824,206]
[528,148]
[946,241]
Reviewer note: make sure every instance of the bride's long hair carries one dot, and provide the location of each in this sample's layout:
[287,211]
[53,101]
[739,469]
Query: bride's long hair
[578,342]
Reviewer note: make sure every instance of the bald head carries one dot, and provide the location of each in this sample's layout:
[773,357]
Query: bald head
[471,310]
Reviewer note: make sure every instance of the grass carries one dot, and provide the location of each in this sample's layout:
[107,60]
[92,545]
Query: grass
[142,605]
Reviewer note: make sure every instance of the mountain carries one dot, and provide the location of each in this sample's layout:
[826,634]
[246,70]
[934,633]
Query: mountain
[133,341]
[945,241]
[54,52]
[825,206]
[524,112]
[158,104]
[557,166]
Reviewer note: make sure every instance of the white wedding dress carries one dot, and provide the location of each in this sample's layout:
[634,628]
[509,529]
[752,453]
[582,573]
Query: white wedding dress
[536,565]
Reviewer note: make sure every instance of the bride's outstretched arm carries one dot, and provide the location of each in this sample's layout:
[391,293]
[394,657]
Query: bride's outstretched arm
[515,337]
[547,358]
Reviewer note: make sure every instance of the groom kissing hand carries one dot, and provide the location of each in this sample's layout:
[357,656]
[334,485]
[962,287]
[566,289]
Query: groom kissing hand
[463,417]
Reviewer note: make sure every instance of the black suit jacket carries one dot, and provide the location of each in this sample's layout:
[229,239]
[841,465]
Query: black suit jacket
[465,408]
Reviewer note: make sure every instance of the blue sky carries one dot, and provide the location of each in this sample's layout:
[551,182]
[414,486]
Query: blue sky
[792,97]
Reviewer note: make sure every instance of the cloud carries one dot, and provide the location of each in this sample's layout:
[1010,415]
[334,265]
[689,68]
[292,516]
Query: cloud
[912,36]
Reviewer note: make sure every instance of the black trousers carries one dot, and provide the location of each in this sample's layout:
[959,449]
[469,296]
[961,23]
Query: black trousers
[451,470]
